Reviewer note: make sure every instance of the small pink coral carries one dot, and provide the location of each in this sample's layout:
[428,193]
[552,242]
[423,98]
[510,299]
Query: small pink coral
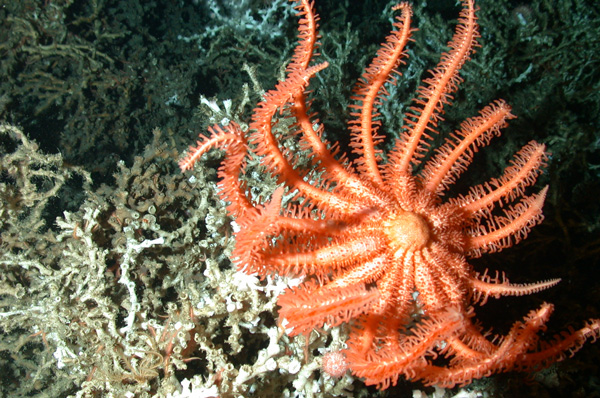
[334,364]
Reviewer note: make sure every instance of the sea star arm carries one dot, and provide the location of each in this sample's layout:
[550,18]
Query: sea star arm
[369,92]
[291,93]
[523,171]
[383,367]
[453,158]
[308,127]
[278,161]
[307,36]
[267,241]
[396,286]
[256,249]
[518,350]
[256,227]
[325,259]
[310,138]
[422,118]
[566,344]
[440,279]
[474,357]
[231,139]
[505,231]
[311,305]
[521,337]
[471,345]
[485,286]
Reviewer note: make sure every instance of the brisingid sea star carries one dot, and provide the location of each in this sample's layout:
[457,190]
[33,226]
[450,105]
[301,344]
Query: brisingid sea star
[375,239]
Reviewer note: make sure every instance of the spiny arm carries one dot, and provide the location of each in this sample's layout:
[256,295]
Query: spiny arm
[453,158]
[231,139]
[485,286]
[523,171]
[436,91]
[310,136]
[504,231]
[369,92]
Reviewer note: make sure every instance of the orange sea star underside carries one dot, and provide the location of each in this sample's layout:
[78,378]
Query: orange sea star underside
[375,239]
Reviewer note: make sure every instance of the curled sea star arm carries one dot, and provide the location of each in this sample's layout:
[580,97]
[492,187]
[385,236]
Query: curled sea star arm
[232,139]
[408,355]
[473,357]
[308,127]
[278,161]
[519,350]
[567,343]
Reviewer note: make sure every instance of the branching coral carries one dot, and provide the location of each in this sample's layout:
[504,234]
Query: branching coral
[131,293]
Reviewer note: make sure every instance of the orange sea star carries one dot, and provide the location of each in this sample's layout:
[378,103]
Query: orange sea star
[375,238]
